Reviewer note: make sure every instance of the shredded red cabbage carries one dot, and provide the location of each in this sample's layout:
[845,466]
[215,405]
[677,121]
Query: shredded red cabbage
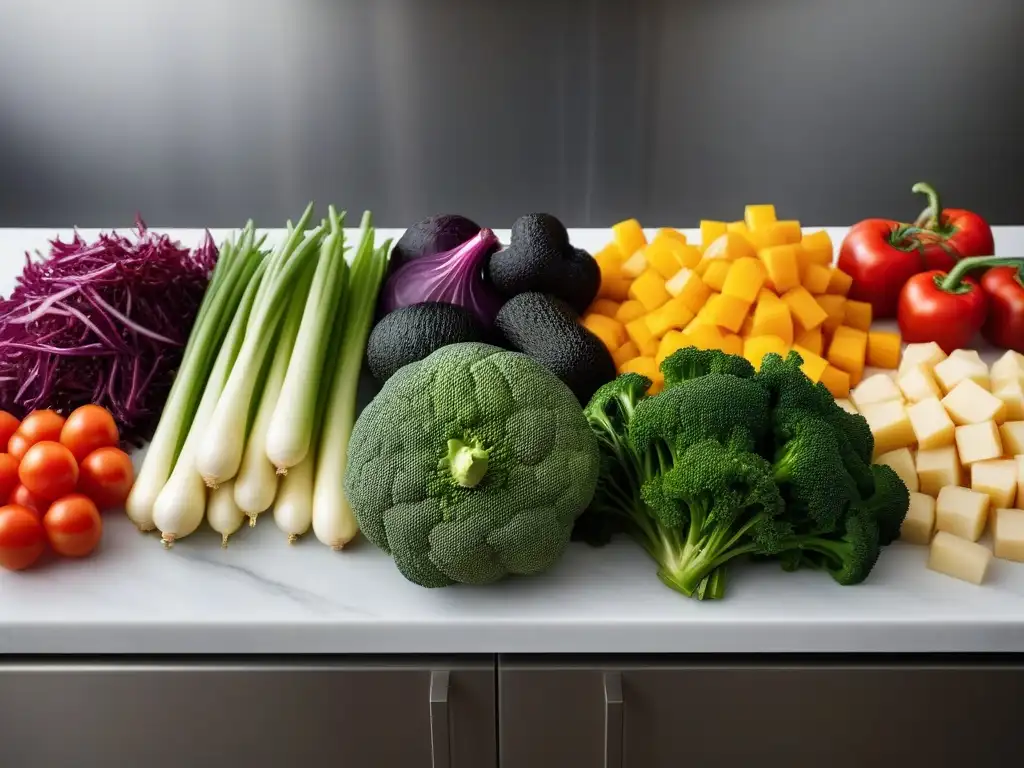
[103,322]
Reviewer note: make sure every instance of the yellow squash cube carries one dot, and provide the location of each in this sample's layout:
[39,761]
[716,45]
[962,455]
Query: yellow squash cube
[772,318]
[732,344]
[745,279]
[756,347]
[805,310]
[835,308]
[728,312]
[783,267]
[605,307]
[711,231]
[627,351]
[645,366]
[704,337]
[609,261]
[662,256]
[629,236]
[812,340]
[670,342]
[615,288]
[640,333]
[650,347]
[815,278]
[858,315]
[730,246]
[675,234]
[759,216]
[635,265]
[649,290]
[814,365]
[848,350]
[817,248]
[788,232]
[673,314]
[629,311]
[884,349]
[687,286]
[839,283]
[837,382]
[717,272]
[611,332]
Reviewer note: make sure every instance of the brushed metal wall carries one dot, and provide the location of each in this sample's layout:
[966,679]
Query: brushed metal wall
[204,114]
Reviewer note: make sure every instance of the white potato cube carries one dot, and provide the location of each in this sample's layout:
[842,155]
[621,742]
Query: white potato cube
[889,424]
[956,368]
[1008,534]
[847,406]
[1012,435]
[962,511]
[969,403]
[902,462]
[927,354]
[970,355]
[918,383]
[998,479]
[1020,481]
[932,426]
[1007,369]
[919,524]
[938,468]
[978,442]
[1012,395]
[959,558]
[879,388]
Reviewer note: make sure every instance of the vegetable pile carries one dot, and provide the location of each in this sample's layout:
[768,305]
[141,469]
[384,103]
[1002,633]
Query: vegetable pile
[102,323]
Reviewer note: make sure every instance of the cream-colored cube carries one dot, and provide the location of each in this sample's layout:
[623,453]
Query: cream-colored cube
[1020,481]
[902,462]
[970,355]
[956,368]
[919,524]
[1012,395]
[978,442]
[879,388]
[998,479]
[889,424]
[847,406]
[1012,435]
[1007,369]
[917,383]
[932,426]
[969,403]
[959,558]
[1008,534]
[962,511]
[927,354]
[938,468]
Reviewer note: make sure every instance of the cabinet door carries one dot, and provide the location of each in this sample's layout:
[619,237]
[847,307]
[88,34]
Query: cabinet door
[260,715]
[637,715]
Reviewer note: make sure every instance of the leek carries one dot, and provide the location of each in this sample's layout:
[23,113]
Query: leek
[223,513]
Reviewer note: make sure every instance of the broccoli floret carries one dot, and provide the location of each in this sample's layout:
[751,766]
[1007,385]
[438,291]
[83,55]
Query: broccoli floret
[889,503]
[691,363]
[849,558]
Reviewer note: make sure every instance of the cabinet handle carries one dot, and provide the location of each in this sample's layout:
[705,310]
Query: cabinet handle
[440,745]
[613,720]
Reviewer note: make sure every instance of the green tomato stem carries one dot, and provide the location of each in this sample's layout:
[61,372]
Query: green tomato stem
[931,217]
[953,282]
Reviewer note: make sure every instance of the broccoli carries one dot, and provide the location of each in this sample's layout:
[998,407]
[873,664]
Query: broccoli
[691,363]
[888,504]
[848,556]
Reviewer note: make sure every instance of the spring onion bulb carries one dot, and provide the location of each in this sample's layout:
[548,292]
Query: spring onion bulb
[222,513]
[219,454]
[236,267]
[293,510]
[291,425]
[333,521]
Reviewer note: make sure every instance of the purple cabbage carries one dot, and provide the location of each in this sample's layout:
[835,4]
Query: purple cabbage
[104,323]
[452,277]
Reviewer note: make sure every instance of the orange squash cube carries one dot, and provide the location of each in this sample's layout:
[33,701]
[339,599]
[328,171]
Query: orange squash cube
[675,234]
[645,366]
[609,261]
[756,347]
[730,246]
[815,278]
[662,256]
[835,308]
[710,231]
[670,342]
[732,344]
[605,307]
[814,365]
[812,341]
[858,315]
[649,290]
[629,311]
[772,318]
[748,325]
[737,227]
[674,314]
[610,331]
[817,247]
[629,236]
[635,265]
[627,351]
[639,333]
[705,337]
[614,288]
[649,348]
[688,255]
[728,312]
[884,351]
[783,267]
[805,310]
[788,232]
[687,286]
[848,349]
[745,278]
[714,277]
[839,283]
[759,216]
[837,382]
[767,294]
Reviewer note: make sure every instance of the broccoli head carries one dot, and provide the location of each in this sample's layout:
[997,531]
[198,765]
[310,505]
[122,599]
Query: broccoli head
[888,504]
[848,557]
[691,363]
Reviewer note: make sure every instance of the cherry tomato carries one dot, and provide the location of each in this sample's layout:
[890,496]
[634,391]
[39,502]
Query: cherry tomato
[8,474]
[106,476]
[73,525]
[88,428]
[23,497]
[22,538]
[8,426]
[36,427]
[48,470]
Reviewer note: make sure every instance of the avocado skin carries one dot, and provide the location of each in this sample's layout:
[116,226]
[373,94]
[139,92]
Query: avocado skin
[540,259]
[434,234]
[412,333]
[546,329]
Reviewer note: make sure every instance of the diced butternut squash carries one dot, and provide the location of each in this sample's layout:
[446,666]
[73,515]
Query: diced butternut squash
[675,234]
[772,318]
[609,261]
[649,348]
[670,342]
[783,267]
[815,279]
[639,333]
[702,267]
[759,216]
[717,272]
[688,255]
[663,256]
[884,349]
[629,236]
[730,246]
[756,347]
[649,290]
[615,288]
[839,283]
[835,308]
[848,349]
[813,366]
[627,351]
[728,312]
[710,231]
[705,337]
[605,307]
[858,315]
[817,246]
[629,311]
[645,366]
[767,294]
[747,327]
[837,382]
[789,232]
[635,265]
[805,310]
[732,344]
[737,227]
[610,331]
[745,279]
[687,286]
[811,340]
[672,315]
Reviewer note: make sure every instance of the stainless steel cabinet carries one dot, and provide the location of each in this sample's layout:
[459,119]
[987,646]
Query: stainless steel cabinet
[260,715]
[645,715]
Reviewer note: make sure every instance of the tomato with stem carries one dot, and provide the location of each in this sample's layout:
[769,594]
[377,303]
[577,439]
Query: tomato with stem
[49,470]
[106,476]
[22,538]
[88,428]
[73,525]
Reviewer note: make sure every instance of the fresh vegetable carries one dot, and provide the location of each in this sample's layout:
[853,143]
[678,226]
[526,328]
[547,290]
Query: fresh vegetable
[432,235]
[959,558]
[471,465]
[223,513]
[961,233]
[8,475]
[22,538]
[48,470]
[726,462]
[87,428]
[540,259]
[23,497]
[34,428]
[1004,286]
[293,508]
[73,526]
[414,332]
[8,426]
[104,323]
[106,476]
[454,276]
[546,329]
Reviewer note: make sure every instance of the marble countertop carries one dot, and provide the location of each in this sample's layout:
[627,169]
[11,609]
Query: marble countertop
[263,596]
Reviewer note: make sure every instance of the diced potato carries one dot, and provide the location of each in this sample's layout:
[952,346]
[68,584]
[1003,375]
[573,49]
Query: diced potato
[649,290]
[962,512]
[815,278]
[813,365]
[638,331]
[835,308]
[663,256]
[817,246]
[605,307]
[970,355]
[848,349]
[673,315]
[839,282]
[884,349]
[837,382]
[902,463]
[1008,368]
[917,384]
[812,340]
[688,286]
[1012,395]
[635,265]
[978,442]
[716,273]
[932,425]
[626,352]
[788,232]
[875,389]
[756,347]
[858,315]
[956,368]
[919,524]
[959,558]
[968,403]
[998,479]
[615,288]
[730,246]
[670,342]
[629,236]
[806,311]
[889,424]
[846,405]
[728,312]
[711,231]
[938,468]
[645,366]
[1012,435]
[610,331]
[629,311]
[759,216]
[1008,534]
[783,267]
[928,354]
[745,279]
[609,261]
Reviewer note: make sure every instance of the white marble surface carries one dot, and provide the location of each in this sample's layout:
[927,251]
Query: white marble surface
[262,596]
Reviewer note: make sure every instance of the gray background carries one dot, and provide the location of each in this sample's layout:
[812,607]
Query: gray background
[205,114]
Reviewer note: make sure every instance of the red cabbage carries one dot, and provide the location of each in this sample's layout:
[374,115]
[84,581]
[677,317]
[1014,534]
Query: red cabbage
[103,322]
[452,277]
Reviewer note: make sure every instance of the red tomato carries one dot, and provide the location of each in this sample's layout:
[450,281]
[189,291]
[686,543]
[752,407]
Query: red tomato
[8,474]
[8,426]
[36,427]
[49,470]
[22,538]
[88,428]
[23,497]
[73,525]
[106,476]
